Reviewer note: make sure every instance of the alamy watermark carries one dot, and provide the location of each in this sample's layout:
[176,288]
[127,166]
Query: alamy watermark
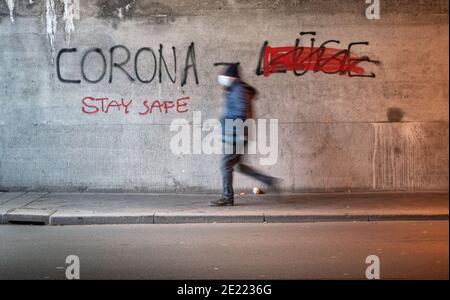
[228,136]
[73,270]
[373,10]
[373,270]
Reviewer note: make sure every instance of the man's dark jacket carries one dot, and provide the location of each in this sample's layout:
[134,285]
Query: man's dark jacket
[238,105]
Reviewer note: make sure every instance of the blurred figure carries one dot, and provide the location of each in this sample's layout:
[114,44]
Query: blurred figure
[238,105]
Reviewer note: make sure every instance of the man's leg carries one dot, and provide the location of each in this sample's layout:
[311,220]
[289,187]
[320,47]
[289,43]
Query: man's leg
[228,163]
[249,171]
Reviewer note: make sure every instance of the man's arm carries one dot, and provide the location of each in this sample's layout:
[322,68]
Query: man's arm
[242,103]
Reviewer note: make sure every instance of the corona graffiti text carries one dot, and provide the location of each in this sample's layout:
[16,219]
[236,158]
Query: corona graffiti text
[110,65]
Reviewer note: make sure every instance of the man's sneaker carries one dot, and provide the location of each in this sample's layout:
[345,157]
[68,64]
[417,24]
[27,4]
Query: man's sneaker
[222,202]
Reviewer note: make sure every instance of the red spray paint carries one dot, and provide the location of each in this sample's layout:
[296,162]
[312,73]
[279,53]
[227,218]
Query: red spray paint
[301,60]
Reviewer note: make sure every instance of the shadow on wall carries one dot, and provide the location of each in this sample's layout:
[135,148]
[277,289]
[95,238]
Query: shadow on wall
[395,115]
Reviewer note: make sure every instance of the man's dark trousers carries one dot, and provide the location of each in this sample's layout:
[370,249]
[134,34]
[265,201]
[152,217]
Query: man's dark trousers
[228,163]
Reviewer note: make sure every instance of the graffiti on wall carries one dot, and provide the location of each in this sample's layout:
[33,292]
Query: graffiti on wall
[301,59]
[104,105]
[110,64]
[296,59]
[162,64]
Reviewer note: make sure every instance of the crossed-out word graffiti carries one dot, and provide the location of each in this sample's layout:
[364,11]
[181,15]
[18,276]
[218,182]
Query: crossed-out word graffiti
[300,60]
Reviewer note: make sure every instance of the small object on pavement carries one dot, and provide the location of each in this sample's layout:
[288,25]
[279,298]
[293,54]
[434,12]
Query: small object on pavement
[257,191]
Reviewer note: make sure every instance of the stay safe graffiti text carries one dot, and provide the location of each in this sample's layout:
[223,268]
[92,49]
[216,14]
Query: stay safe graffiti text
[104,105]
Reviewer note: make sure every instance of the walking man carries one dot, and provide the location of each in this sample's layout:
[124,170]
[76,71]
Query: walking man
[237,106]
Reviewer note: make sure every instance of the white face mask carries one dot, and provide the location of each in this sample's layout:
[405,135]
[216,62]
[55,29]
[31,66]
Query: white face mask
[225,80]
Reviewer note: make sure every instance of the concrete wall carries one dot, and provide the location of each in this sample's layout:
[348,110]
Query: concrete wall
[337,133]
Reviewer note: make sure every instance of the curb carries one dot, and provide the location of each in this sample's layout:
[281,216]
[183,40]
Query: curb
[199,219]
[60,220]
[46,217]
[28,216]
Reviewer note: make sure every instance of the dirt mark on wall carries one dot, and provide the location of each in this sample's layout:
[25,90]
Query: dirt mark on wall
[126,9]
[401,156]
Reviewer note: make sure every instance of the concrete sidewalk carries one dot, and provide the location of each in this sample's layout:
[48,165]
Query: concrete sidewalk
[110,208]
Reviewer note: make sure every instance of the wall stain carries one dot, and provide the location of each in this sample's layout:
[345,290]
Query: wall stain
[23,8]
[115,8]
[399,157]
[395,114]
[127,9]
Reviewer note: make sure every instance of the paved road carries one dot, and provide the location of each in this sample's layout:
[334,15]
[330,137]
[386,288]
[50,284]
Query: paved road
[227,251]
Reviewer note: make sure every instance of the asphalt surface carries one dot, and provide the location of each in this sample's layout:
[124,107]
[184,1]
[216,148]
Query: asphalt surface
[407,250]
